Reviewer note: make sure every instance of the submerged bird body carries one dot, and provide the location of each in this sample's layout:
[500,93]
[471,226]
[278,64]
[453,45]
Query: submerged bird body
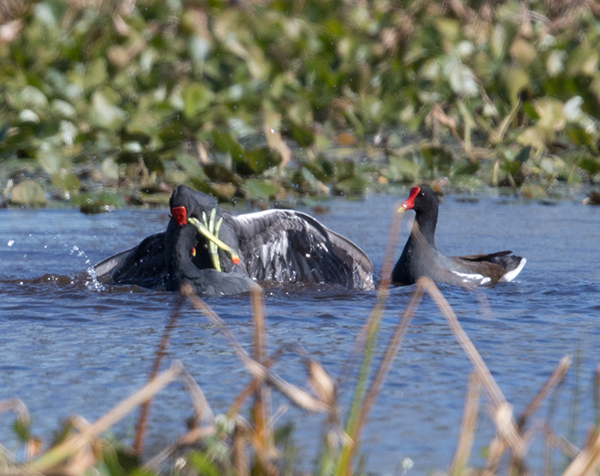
[205,281]
[278,246]
[422,258]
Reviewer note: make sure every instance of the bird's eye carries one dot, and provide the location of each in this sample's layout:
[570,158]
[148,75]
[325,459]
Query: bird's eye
[422,194]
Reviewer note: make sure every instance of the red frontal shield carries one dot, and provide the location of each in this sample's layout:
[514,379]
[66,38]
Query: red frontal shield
[180,215]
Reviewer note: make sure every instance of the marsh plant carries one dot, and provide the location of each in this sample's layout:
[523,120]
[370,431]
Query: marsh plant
[273,99]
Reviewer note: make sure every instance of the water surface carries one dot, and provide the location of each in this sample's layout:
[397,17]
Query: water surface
[71,347]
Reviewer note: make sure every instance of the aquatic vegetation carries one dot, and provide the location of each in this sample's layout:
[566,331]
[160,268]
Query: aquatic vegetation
[268,99]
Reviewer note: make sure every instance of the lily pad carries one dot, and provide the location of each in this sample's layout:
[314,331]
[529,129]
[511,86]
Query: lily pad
[66,181]
[259,189]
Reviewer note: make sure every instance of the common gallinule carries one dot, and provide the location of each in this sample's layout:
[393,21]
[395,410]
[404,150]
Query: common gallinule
[421,257]
[280,246]
[180,249]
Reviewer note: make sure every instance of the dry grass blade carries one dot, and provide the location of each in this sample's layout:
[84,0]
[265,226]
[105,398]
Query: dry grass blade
[502,414]
[16,406]
[597,394]
[249,387]
[554,379]
[588,460]
[382,293]
[559,442]
[76,442]
[464,341]
[263,441]
[468,425]
[188,439]
[140,430]
[239,457]
[295,394]
[495,452]
[385,364]
[201,406]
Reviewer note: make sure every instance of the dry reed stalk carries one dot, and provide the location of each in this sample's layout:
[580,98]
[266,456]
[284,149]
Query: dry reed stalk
[597,394]
[467,426]
[384,367]
[190,438]
[559,442]
[382,293]
[142,425]
[239,457]
[516,461]
[464,341]
[263,441]
[364,342]
[554,380]
[16,406]
[588,460]
[495,452]
[201,406]
[32,445]
[502,414]
[74,443]
[293,393]
[249,388]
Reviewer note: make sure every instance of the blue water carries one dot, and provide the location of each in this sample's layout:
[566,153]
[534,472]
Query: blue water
[69,347]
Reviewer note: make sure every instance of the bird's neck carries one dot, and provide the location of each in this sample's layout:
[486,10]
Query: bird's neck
[179,244]
[425,223]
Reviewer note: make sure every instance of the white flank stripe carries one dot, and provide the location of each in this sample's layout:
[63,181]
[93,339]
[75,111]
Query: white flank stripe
[508,277]
[473,278]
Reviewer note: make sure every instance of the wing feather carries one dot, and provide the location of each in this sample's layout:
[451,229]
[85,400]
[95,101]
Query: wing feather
[288,246]
[144,265]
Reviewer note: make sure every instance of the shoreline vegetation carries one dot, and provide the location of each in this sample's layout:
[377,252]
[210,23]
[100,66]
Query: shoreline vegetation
[109,103]
[231,444]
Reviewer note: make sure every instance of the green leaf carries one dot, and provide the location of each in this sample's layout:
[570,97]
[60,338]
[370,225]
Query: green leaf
[262,159]
[303,135]
[98,203]
[578,136]
[259,189]
[437,159]
[196,99]
[21,428]
[66,181]
[225,142]
[104,114]
[344,169]
[523,156]
[190,165]
[203,465]
[353,186]
[402,170]
[591,166]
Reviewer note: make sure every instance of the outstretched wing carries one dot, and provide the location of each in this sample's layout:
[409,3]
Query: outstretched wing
[144,265]
[286,246]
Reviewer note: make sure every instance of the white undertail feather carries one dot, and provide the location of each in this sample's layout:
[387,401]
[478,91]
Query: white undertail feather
[508,277]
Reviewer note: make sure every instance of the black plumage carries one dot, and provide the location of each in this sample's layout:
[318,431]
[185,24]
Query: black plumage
[278,246]
[421,257]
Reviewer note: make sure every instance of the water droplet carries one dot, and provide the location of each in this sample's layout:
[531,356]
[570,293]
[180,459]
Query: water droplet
[11,242]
